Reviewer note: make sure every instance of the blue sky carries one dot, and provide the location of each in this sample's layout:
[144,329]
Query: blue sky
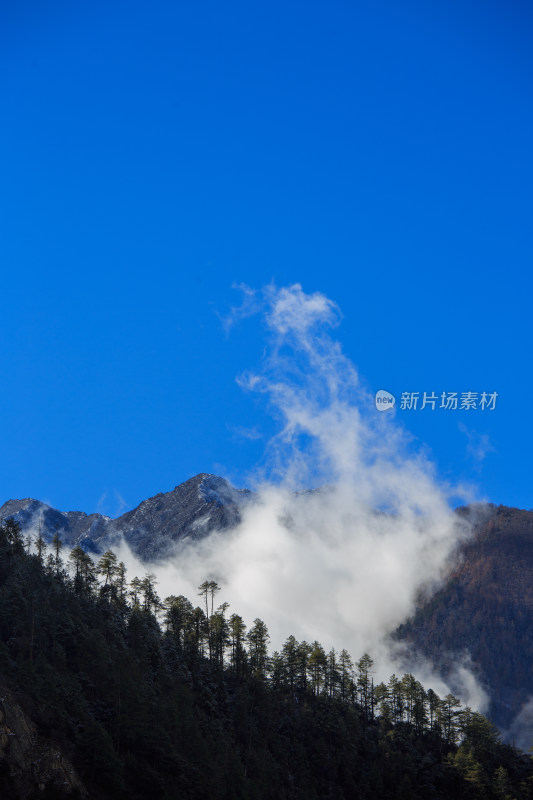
[154,157]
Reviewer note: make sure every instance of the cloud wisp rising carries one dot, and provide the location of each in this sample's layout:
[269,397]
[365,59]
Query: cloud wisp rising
[345,563]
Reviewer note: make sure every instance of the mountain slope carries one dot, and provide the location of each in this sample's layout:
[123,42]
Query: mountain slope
[190,510]
[176,710]
[486,609]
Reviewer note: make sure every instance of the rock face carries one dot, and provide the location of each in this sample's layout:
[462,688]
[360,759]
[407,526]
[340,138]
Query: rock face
[190,511]
[30,764]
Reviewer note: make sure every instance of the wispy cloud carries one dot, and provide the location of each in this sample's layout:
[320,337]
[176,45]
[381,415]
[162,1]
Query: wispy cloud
[478,445]
[252,434]
[102,503]
[111,503]
[345,564]
[121,504]
[251,304]
[520,733]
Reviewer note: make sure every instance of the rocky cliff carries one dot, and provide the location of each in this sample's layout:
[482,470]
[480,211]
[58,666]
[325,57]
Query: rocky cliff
[29,764]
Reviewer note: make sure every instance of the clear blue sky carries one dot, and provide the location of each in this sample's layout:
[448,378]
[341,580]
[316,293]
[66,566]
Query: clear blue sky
[155,154]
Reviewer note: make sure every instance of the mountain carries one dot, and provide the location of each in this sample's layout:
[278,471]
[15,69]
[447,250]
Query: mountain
[103,699]
[485,609]
[190,511]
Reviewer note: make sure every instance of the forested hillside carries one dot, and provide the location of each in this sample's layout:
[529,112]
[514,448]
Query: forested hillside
[485,608]
[165,699]
[482,611]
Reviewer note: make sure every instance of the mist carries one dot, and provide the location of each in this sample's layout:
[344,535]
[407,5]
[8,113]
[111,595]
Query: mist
[351,524]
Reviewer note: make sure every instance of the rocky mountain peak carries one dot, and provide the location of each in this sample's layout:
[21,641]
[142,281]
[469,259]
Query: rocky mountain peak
[191,510]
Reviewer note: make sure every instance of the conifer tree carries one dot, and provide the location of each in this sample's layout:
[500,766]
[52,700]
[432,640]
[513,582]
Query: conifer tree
[365,685]
[219,636]
[258,637]
[304,651]
[14,536]
[40,544]
[383,703]
[107,567]
[204,592]
[237,633]
[84,570]
[178,616]
[332,674]
[317,666]
[213,589]
[135,591]
[449,717]
[290,658]
[433,702]
[121,581]
[57,545]
[151,600]
[345,673]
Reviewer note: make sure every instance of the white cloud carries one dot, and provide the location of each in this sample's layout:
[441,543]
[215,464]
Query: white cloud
[343,565]
[111,503]
[520,732]
[252,434]
[249,306]
[479,444]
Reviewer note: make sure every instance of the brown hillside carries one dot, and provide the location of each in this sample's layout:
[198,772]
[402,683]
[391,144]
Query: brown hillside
[485,608]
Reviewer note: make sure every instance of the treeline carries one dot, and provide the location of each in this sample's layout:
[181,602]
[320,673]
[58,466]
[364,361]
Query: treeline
[167,699]
[226,642]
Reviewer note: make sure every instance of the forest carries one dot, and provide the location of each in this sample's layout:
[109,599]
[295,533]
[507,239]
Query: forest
[484,607]
[168,698]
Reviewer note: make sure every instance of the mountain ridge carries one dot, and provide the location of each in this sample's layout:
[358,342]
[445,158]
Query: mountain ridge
[484,606]
[191,510]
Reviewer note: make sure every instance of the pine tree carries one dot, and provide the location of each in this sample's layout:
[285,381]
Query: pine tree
[383,703]
[258,637]
[290,654]
[135,591]
[121,582]
[57,545]
[396,698]
[213,589]
[433,702]
[178,615]
[332,674]
[84,571]
[151,600]
[365,685]
[219,636]
[449,717]
[40,544]
[316,667]
[304,651]
[199,632]
[277,672]
[14,536]
[107,567]
[346,673]
[237,633]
